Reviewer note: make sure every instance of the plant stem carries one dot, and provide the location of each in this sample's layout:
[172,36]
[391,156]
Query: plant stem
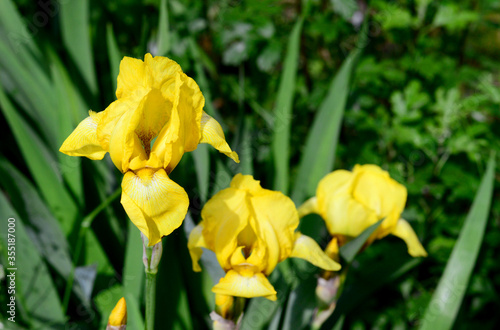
[151,256]
[150,300]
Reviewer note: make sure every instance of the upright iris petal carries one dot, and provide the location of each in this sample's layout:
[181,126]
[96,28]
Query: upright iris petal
[350,202]
[157,117]
[251,230]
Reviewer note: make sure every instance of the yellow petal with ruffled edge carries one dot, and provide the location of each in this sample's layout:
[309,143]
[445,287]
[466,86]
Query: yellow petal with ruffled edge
[154,203]
[132,136]
[404,231]
[162,71]
[245,285]
[337,182]
[182,132]
[196,242]
[132,76]
[211,133]
[346,216]
[83,140]
[277,213]
[306,248]
[224,216]
[246,183]
[376,190]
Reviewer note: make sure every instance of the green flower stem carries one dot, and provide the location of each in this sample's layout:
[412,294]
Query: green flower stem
[151,257]
[150,300]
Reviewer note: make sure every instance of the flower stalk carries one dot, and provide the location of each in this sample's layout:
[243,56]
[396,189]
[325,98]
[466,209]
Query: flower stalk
[151,256]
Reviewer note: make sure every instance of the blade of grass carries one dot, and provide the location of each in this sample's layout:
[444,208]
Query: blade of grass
[75,29]
[35,290]
[163,30]
[40,163]
[283,110]
[445,303]
[321,143]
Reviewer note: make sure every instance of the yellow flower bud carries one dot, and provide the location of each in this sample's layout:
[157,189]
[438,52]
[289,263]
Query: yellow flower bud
[118,317]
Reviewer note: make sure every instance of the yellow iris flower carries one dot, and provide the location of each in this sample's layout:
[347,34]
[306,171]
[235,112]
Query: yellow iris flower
[350,202]
[158,115]
[251,229]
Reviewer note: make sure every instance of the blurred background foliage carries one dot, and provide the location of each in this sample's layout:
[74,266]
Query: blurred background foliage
[415,91]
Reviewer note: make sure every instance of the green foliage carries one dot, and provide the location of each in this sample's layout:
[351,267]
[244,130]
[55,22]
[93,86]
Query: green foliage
[300,88]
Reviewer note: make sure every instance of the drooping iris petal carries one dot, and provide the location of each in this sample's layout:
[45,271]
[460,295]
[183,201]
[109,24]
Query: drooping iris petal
[195,244]
[306,248]
[309,206]
[404,231]
[245,285]
[211,133]
[154,203]
[83,140]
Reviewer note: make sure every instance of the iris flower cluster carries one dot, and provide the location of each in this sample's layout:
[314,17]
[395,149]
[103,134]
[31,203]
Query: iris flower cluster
[157,117]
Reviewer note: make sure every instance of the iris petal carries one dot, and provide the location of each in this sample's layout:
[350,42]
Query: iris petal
[404,231]
[211,133]
[306,248]
[154,203]
[83,140]
[195,244]
[247,286]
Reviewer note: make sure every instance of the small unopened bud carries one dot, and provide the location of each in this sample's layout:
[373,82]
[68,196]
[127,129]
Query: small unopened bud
[151,255]
[326,290]
[220,323]
[118,317]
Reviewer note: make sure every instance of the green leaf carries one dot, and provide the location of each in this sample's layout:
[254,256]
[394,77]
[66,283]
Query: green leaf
[43,229]
[75,30]
[70,106]
[445,303]
[163,30]
[114,54]
[374,271]
[35,291]
[201,159]
[349,251]
[40,163]
[321,143]
[283,110]
[133,270]
[31,89]
[16,32]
